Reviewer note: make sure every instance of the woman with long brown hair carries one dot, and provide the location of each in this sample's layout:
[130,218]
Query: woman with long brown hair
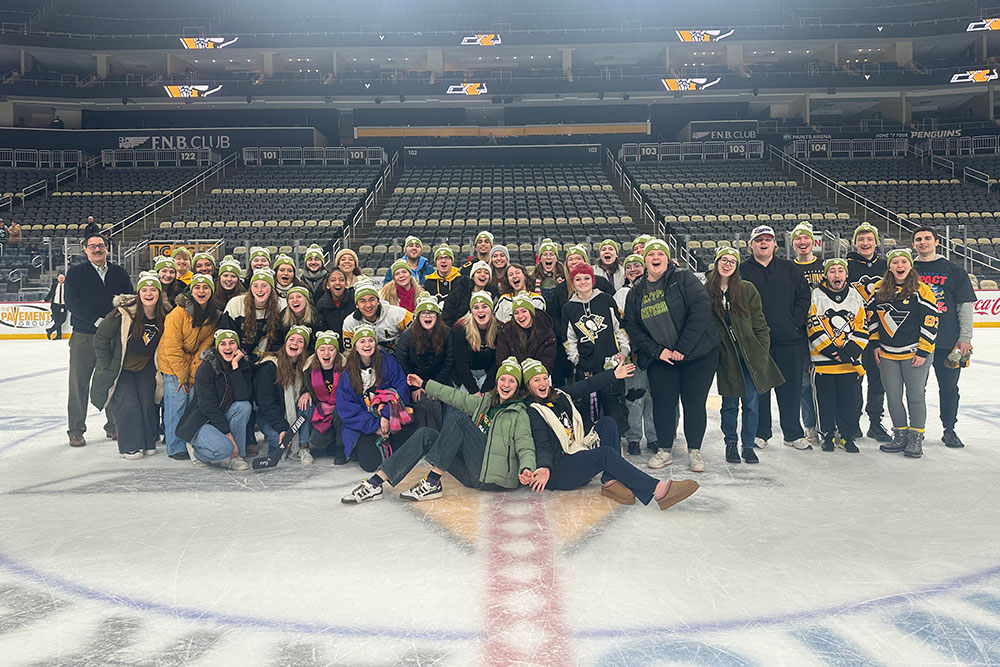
[425,349]
[278,385]
[746,369]
[372,397]
[902,325]
[125,377]
[230,282]
[529,333]
[256,315]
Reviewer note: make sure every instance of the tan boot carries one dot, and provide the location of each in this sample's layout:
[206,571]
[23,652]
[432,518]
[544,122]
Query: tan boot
[619,493]
[676,492]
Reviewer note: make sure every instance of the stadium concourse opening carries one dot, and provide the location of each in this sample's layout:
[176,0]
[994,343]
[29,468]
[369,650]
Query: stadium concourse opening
[664,333]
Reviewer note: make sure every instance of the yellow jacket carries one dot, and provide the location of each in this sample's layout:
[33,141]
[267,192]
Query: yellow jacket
[179,352]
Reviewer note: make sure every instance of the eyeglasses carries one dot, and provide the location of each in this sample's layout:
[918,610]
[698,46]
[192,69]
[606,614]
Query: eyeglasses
[727,262]
[96,246]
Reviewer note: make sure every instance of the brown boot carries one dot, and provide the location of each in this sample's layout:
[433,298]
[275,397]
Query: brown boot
[77,441]
[676,492]
[619,493]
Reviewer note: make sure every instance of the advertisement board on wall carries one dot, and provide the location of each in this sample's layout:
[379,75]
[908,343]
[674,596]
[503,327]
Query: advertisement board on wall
[26,319]
[223,140]
[986,311]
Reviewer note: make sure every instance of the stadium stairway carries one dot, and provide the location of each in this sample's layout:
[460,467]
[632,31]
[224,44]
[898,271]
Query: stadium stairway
[645,226]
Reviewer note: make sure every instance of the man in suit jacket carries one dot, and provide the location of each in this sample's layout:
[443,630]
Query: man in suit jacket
[57,304]
[90,288]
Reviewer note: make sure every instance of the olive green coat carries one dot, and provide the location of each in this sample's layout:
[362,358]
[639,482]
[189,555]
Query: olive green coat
[509,447]
[753,343]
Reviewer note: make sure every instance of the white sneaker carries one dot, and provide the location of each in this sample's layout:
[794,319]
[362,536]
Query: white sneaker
[132,456]
[813,437]
[759,443]
[363,493]
[234,463]
[799,443]
[695,460]
[149,452]
[661,459]
[423,490]
[195,461]
[305,456]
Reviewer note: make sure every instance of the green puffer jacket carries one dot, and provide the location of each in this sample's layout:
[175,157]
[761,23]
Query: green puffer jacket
[753,337]
[509,447]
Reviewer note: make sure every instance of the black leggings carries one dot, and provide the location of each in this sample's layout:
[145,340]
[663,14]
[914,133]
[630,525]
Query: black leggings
[369,456]
[690,381]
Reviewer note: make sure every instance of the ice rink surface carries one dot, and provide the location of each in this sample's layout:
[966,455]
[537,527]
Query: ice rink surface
[809,558]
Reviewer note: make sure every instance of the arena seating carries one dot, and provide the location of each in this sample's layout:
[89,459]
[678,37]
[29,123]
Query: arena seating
[107,194]
[519,205]
[12,181]
[707,204]
[274,206]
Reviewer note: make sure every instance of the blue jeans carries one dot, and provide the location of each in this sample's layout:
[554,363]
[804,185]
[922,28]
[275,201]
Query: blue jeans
[271,435]
[175,402]
[808,406]
[731,408]
[211,445]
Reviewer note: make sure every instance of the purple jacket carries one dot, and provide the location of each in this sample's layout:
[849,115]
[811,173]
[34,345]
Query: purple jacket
[353,410]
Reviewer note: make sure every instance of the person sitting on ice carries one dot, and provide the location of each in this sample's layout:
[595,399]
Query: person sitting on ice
[484,443]
[568,457]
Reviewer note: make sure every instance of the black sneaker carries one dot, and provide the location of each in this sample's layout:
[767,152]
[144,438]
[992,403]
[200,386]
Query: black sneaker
[181,456]
[878,433]
[634,448]
[732,453]
[849,446]
[749,455]
[951,439]
[652,446]
[828,445]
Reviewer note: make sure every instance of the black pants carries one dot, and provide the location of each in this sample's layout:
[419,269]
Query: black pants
[138,415]
[610,403]
[838,396]
[791,360]
[947,379]
[875,399]
[369,455]
[327,442]
[689,381]
[82,361]
[58,319]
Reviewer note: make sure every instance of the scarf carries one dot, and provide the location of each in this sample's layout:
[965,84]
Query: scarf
[577,444]
[326,400]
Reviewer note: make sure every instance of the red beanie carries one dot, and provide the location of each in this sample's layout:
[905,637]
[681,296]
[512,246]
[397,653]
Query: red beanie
[582,267]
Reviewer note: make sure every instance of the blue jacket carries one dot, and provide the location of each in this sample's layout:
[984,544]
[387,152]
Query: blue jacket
[353,410]
[424,269]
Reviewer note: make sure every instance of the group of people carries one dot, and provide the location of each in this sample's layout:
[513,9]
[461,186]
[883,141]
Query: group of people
[505,375]
[10,231]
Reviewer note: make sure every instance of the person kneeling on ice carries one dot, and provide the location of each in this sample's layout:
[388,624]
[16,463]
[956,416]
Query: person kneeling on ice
[838,335]
[214,424]
[322,374]
[483,443]
[278,386]
[567,457]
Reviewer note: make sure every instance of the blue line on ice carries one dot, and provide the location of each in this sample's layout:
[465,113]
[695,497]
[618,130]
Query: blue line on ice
[33,375]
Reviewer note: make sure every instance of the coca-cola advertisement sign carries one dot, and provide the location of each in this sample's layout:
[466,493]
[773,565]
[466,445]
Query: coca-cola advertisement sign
[986,311]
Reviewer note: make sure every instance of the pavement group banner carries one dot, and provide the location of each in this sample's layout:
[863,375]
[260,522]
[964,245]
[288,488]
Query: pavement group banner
[26,319]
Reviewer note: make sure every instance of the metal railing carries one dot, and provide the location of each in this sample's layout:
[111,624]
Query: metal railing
[144,214]
[144,157]
[692,150]
[41,159]
[312,156]
[943,163]
[968,173]
[902,226]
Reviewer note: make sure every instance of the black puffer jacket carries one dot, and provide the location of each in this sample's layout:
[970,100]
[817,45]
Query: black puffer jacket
[690,309]
[216,387]
[429,365]
[543,349]
[333,314]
